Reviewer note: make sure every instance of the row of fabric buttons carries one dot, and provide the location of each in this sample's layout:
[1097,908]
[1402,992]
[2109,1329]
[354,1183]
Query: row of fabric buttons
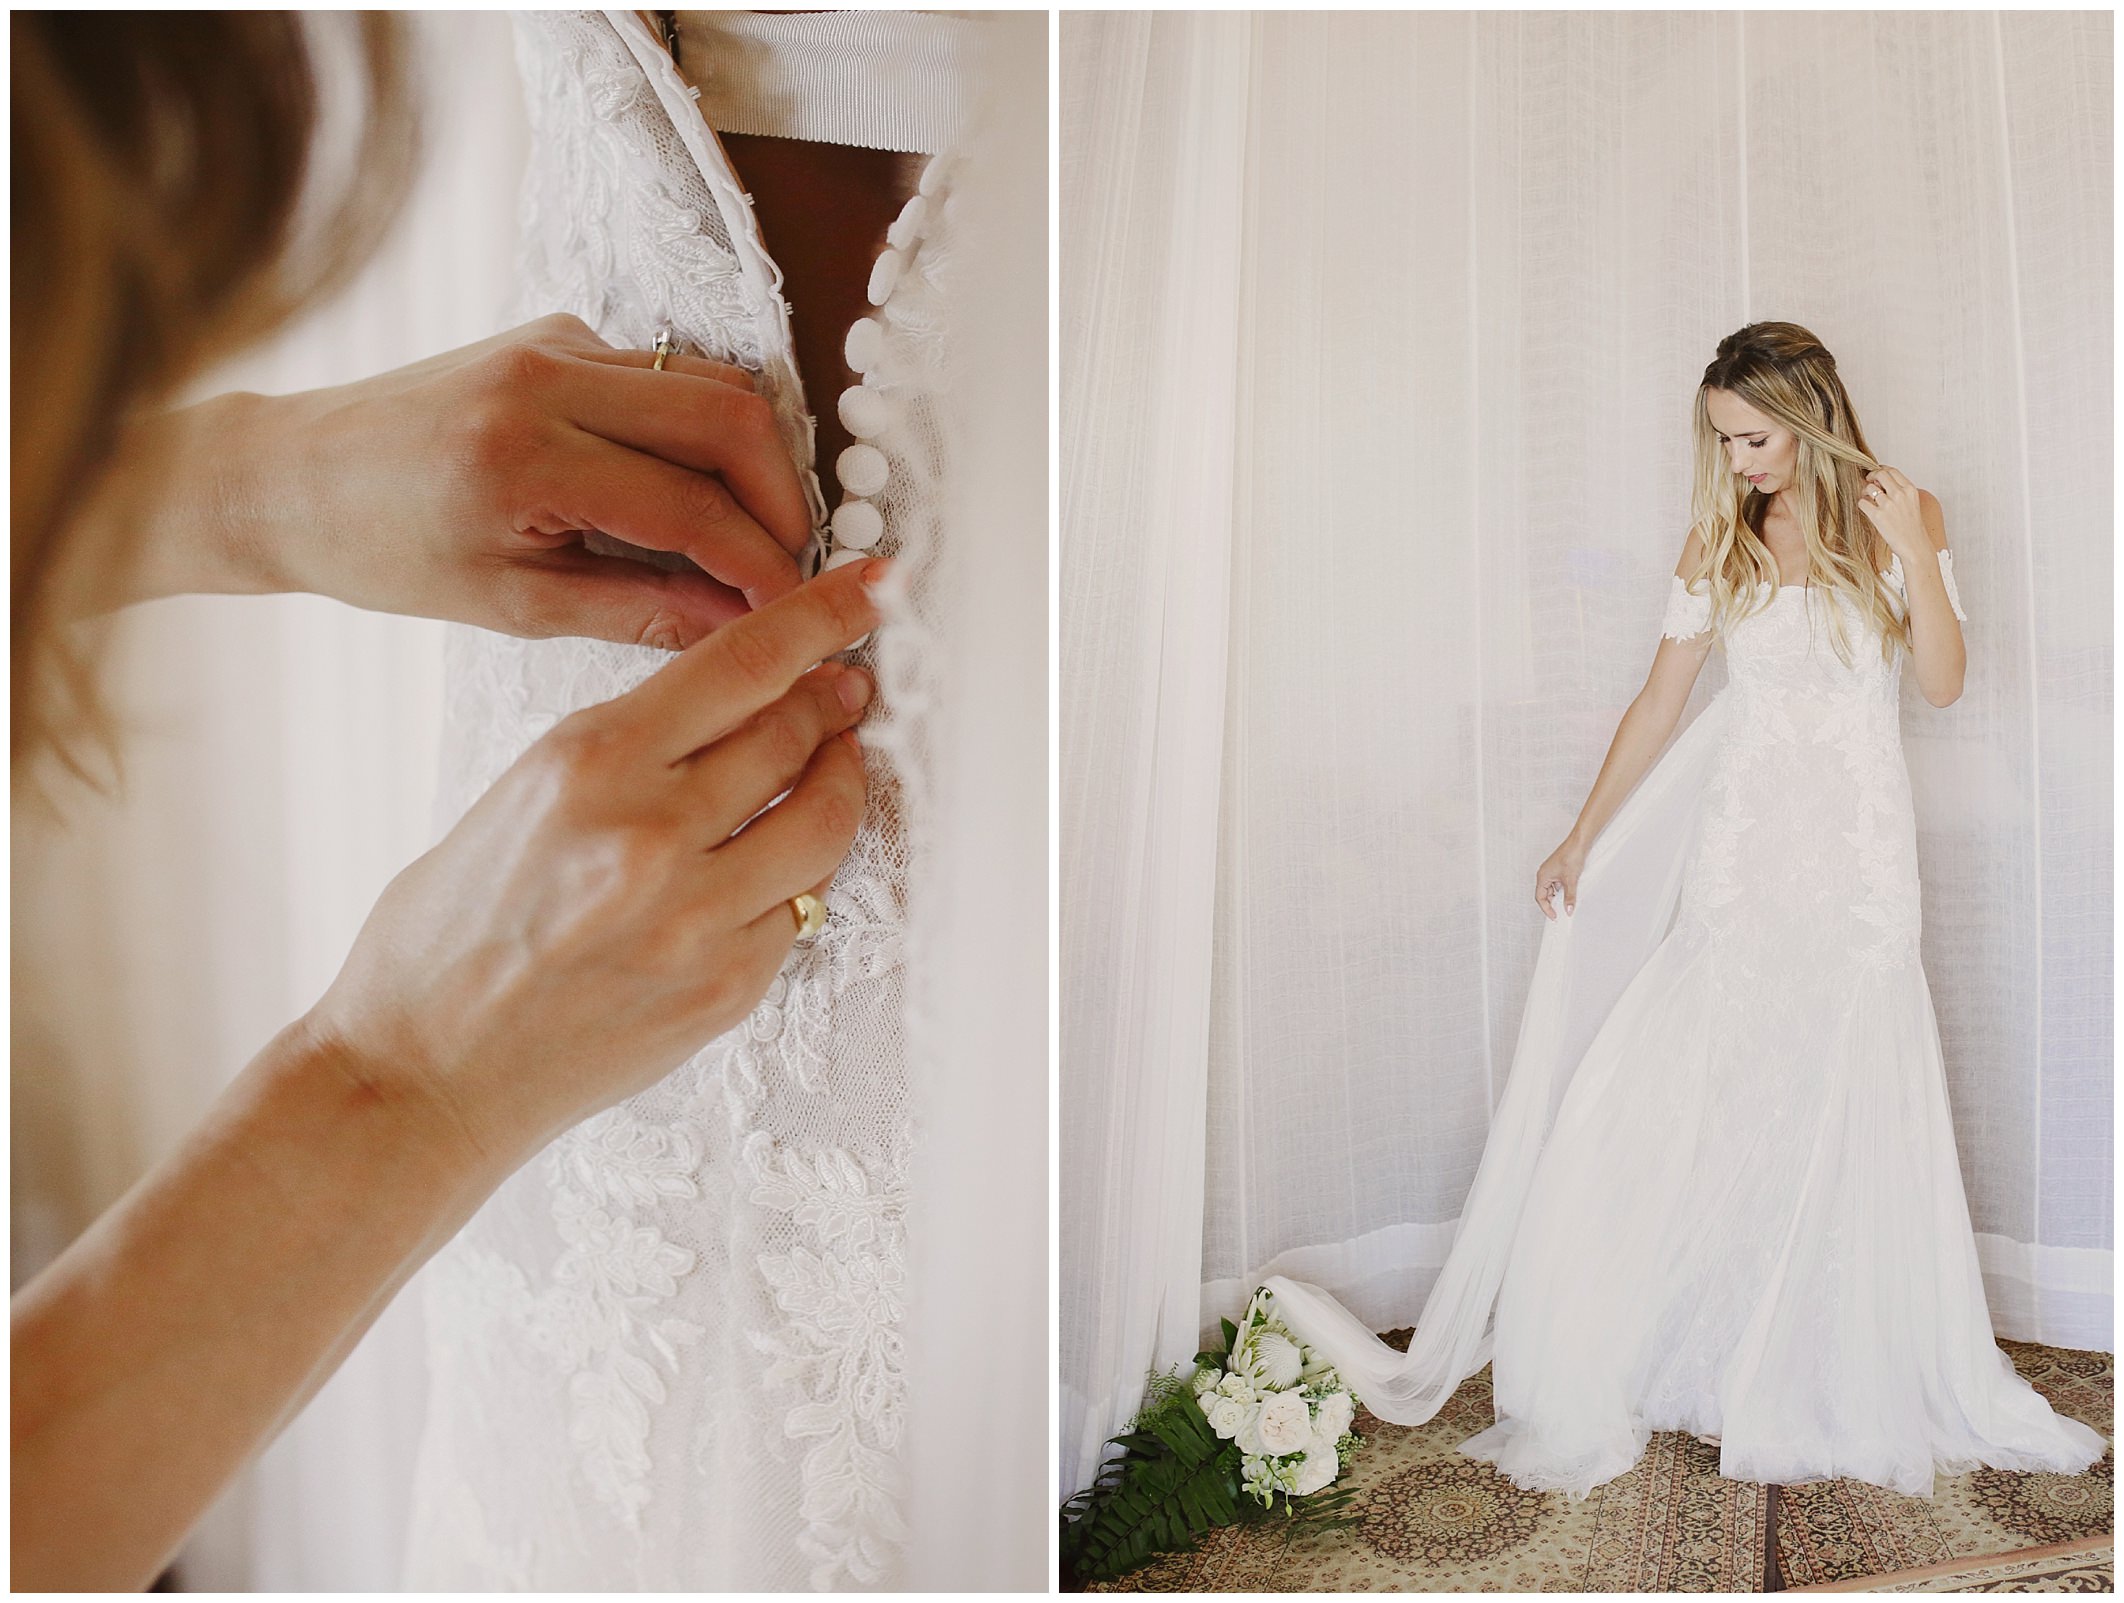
[865,410]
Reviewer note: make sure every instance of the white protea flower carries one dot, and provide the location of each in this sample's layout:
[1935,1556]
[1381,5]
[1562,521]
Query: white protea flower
[1275,1360]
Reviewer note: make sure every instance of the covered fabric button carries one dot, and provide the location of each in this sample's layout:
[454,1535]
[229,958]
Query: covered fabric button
[862,470]
[884,273]
[907,227]
[864,412]
[866,339]
[857,525]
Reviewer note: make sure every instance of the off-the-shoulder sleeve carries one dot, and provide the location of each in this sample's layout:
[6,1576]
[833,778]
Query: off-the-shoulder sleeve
[1687,612]
[1954,596]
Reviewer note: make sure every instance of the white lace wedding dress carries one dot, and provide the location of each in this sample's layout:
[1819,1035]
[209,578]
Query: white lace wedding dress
[668,1354]
[1720,1193]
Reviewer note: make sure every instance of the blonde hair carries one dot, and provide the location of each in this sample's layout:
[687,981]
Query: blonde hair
[163,217]
[1788,375]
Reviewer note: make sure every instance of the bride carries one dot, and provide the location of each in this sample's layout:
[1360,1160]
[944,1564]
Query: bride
[1721,1193]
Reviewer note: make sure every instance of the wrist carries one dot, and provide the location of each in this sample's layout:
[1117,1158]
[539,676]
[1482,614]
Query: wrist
[392,1101]
[244,444]
[202,511]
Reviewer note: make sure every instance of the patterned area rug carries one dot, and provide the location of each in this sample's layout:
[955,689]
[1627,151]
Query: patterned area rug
[2089,1566]
[1435,1521]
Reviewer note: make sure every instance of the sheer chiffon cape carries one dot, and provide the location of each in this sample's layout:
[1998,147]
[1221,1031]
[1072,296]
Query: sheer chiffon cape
[1627,896]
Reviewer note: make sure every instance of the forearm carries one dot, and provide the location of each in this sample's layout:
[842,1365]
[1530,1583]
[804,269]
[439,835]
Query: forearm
[185,505]
[1937,649]
[187,1326]
[1639,738]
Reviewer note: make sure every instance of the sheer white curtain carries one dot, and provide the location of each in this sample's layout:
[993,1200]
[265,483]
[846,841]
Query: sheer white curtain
[280,768]
[1438,332]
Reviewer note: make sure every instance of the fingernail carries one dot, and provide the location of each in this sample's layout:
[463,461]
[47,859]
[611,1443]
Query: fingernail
[853,687]
[876,569]
[854,744]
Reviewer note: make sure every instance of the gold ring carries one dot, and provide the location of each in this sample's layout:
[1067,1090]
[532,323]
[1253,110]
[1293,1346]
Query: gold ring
[810,915]
[663,348]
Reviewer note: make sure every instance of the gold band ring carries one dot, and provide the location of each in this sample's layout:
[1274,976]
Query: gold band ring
[663,347]
[810,915]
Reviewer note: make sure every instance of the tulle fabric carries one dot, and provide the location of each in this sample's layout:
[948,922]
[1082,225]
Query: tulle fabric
[1721,1192]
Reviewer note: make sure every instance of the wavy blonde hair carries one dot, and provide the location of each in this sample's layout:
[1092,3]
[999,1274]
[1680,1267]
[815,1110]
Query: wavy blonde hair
[1788,375]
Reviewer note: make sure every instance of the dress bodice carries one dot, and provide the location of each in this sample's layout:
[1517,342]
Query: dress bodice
[1782,651]
[1805,871]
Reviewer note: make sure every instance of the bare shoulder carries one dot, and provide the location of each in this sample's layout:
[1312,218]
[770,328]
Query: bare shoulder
[1935,519]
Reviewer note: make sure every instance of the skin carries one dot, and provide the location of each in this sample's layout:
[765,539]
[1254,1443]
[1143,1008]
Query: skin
[1907,521]
[596,917]
[823,211]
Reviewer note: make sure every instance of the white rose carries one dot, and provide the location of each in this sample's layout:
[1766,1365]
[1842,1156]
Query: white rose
[1335,1416]
[1284,1425]
[1237,1387]
[1276,1360]
[1227,1416]
[1315,1470]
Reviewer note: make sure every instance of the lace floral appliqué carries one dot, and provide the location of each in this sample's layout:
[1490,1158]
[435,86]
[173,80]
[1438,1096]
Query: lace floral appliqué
[839,1358]
[1687,612]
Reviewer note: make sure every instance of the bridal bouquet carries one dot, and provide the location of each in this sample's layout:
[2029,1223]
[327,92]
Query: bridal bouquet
[1260,1424]
[1288,1413]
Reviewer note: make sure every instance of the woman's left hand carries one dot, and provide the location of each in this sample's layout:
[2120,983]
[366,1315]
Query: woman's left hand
[462,487]
[1890,503]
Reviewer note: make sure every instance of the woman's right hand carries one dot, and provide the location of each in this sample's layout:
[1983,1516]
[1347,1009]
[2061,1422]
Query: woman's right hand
[613,902]
[1559,871]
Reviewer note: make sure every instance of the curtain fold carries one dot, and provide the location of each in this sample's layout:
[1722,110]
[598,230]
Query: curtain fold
[1483,259]
[1153,128]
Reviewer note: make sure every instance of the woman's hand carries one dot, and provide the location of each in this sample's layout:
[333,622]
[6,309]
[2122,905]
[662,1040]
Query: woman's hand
[1559,871]
[1892,504]
[461,487]
[619,897]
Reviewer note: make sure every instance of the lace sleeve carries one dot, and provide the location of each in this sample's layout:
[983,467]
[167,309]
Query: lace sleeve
[1687,612]
[1954,596]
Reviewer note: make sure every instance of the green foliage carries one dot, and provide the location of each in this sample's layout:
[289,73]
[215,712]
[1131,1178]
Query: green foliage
[1173,1481]
[1175,1478]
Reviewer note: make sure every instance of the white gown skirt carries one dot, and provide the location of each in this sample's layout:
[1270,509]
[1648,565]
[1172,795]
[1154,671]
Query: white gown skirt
[1788,1267]
[1701,1209]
